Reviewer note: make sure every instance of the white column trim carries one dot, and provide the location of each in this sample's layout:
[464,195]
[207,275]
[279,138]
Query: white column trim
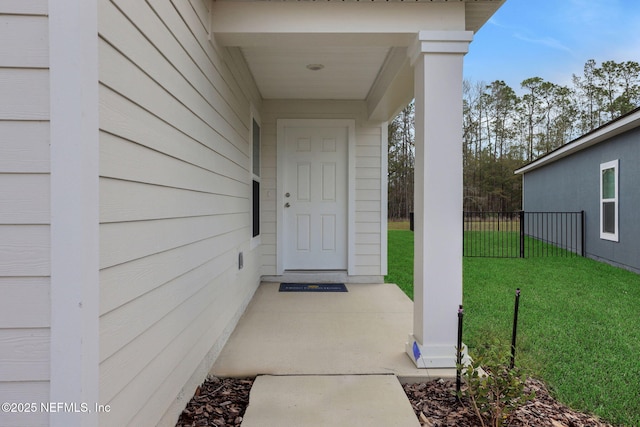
[384,197]
[437,58]
[439,42]
[73,59]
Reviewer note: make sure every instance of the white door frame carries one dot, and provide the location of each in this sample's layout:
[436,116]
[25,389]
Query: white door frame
[350,124]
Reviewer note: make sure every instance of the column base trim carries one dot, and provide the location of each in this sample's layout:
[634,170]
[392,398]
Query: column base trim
[434,356]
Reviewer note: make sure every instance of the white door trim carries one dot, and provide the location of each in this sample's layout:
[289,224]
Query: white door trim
[350,124]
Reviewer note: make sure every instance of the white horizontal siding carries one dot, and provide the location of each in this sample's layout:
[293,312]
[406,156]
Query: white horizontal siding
[368,179]
[171,66]
[25,391]
[232,81]
[22,7]
[368,184]
[25,41]
[368,205]
[124,77]
[123,159]
[367,228]
[134,201]
[201,7]
[130,122]
[25,354]
[25,146]
[369,162]
[25,312]
[24,250]
[369,238]
[368,173]
[368,216]
[128,241]
[161,331]
[125,282]
[367,195]
[24,93]
[121,326]
[173,363]
[25,302]
[174,204]
[24,198]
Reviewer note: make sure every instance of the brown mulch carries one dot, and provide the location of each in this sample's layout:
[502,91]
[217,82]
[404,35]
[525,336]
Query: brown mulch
[222,403]
[436,405]
[217,402]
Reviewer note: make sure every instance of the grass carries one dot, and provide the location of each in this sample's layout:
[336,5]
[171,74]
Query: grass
[398,225]
[578,330]
[506,244]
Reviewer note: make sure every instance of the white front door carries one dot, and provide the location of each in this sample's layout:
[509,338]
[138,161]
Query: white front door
[315,198]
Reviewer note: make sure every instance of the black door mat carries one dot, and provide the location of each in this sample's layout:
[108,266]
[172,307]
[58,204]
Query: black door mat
[313,287]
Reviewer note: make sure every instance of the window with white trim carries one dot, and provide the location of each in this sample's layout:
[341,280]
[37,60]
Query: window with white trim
[609,201]
[255,179]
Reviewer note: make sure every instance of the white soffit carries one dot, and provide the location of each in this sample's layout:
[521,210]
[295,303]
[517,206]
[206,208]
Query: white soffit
[348,72]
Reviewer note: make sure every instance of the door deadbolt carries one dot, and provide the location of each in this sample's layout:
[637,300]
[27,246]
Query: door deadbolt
[287,195]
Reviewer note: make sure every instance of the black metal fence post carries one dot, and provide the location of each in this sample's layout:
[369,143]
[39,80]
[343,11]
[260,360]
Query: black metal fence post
[521,215]
[583,234]
[515,327]
[459,350]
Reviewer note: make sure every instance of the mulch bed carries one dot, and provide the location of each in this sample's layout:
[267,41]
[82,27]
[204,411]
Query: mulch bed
[436,405]
[217,402]
[222,403]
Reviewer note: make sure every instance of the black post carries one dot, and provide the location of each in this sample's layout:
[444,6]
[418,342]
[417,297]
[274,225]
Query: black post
[515,327]
[459,349]
[521,213]
[582,232]
[464,220]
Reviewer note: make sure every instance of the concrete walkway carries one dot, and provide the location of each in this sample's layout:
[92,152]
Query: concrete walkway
[325,355]
[329,401]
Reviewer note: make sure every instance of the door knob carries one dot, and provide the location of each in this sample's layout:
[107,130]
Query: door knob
[286,205]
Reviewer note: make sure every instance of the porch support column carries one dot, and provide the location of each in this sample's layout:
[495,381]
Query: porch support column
[437,59]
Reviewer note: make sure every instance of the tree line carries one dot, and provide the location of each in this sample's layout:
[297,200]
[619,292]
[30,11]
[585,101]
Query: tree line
[503,131]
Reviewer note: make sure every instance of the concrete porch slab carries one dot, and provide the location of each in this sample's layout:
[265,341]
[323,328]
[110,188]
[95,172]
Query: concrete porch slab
[360,332]
[328,401]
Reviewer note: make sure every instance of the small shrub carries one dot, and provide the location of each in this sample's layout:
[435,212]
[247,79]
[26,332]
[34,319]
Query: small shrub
[494,389]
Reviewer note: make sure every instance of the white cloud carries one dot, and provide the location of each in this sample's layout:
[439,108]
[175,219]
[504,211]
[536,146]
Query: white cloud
[544,41]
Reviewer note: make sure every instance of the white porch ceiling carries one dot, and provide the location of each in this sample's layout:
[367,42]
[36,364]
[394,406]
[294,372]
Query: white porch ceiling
[348,73]
[361,44]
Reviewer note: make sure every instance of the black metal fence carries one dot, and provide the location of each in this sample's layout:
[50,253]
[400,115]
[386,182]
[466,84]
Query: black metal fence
[523,234]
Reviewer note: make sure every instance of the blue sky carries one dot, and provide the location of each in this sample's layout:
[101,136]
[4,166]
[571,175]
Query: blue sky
[553,39]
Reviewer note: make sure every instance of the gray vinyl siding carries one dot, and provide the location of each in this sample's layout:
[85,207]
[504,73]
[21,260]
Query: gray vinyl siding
[175,205]
[572,184]
[25,314]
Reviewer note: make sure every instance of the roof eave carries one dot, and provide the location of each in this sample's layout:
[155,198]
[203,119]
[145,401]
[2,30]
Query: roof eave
[603,133]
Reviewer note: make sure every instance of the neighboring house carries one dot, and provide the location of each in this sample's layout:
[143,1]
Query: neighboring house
[160,158]
[598,173]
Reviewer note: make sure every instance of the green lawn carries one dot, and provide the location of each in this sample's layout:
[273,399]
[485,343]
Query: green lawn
[506,244]
[579,323]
